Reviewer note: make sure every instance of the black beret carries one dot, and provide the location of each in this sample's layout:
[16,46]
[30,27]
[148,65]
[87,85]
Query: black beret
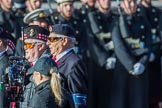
[35,32]
[43,66]
[63,29]
[36,15]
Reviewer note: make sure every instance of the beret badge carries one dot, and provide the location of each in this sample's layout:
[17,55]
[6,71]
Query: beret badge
[31,32]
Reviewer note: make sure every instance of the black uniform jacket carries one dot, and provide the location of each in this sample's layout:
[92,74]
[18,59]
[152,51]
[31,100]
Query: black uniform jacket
[72,69]
[74,76]
[43,97]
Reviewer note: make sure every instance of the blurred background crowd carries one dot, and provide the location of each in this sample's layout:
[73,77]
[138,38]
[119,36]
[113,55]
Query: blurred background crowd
[119,42]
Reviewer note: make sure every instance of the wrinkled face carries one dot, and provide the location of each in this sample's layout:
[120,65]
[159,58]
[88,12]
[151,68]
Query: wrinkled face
[66,9]
[6,3]
[55,44]
[129,6]
[32,49]
[105,4]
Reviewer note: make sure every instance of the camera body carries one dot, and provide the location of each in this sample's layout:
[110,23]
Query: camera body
[15,77]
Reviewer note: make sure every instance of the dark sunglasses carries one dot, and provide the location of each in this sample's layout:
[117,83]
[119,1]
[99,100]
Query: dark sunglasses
[54,39]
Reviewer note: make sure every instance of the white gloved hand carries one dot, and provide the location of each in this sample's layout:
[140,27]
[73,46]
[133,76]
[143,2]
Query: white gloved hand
[138,69]
[110,63]
[152,57]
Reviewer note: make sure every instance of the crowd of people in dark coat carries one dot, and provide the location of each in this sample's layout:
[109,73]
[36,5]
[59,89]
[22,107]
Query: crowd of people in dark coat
[91,56]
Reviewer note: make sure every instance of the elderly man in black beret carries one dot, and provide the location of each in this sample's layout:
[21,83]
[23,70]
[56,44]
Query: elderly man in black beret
[35,38]
[70,67]
[36,17]
[66,15]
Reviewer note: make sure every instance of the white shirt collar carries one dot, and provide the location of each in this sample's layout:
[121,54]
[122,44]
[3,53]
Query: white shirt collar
[59,56]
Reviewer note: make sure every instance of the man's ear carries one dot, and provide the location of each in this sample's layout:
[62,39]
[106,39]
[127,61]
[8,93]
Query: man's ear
[65,40]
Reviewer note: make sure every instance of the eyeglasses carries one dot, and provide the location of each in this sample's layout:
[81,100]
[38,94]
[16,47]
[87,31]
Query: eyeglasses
[30,45]
[54,39]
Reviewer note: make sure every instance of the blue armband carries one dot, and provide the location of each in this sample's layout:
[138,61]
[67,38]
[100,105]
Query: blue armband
[80,98]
